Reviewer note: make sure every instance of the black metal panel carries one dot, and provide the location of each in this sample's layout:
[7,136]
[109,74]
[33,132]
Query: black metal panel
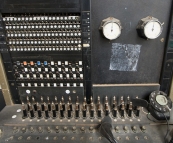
[57,8]
[51,92]
[39,6]
[152,51]
[133,91]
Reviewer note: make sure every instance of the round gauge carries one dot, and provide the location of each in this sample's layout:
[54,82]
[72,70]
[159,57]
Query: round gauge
[149,28]
[152,29]
[111,30]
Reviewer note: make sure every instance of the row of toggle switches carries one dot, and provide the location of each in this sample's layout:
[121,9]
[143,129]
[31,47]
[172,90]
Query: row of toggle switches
[40,18]
[68,110]
[45,69]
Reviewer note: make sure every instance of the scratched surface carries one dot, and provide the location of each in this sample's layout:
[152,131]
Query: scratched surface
[124,57]
[151,52]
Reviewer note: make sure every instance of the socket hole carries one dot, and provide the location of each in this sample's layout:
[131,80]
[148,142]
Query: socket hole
[37,138]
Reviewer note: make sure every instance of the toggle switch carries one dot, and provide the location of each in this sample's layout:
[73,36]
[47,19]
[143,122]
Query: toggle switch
[39,114]
[25,115]
[114,112]
[68,111]
[91,110]
[46,111]
[31,111]
[61,110]
[56,104]
[49,104]
[130,110]
[53,111]
[77,111]
[34,104]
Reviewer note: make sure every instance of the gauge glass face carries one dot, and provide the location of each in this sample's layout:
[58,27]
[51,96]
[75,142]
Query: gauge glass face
[111,30]
[152,29]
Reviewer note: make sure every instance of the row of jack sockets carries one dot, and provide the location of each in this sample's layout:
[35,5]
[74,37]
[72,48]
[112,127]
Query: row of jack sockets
[74,129]
[64,138]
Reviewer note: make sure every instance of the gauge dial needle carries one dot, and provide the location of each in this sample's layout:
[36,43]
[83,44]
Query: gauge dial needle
[153,26]
[112,27]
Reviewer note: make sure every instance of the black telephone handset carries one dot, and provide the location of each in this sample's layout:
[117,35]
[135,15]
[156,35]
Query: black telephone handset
[159,105]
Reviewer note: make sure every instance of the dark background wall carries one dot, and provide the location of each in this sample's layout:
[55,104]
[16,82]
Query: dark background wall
[151,52]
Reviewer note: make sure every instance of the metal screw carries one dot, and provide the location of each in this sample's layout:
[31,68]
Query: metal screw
[82,129]
[91,128]
[23,130]
[145,137]
[137,138]
[127,138]
[162,40]
[91,138]
[57,129]
[74,129]
[55,138]
[19,138]
[29,138]
[118,138]
[65,128]
[48,129]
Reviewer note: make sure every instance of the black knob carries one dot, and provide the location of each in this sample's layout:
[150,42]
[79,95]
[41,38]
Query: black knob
[122,113]
[71,108]
[56,106]
[137,112]
[69,113]
[114,112]
[46,111]
[39,114]
[54,113]
[62,113]
[129,113]
[49,106]
[46,114]
[63,106]
[42,106]
[99,113]
[31,113]
[77,113]
[35,106]
[84,113]
[91,113]
[24,111]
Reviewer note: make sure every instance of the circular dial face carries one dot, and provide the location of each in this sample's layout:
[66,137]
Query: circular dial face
[111,30]
[152,29]
[162,100]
